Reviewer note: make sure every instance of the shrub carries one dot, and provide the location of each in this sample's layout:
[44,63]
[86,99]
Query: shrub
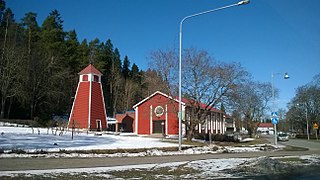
[17,151]
[218,137]
[41,151]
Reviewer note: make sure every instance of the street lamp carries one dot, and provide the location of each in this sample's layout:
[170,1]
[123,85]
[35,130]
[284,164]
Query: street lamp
[244,2]
[286,76]
[305,106]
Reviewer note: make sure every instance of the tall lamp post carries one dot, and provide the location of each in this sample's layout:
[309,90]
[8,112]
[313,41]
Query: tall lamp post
[180,55]
[286,76]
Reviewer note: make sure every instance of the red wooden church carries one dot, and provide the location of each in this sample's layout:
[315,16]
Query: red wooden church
[157,114]
[88,109]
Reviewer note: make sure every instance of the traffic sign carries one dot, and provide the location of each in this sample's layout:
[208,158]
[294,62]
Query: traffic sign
[315,126]
[274,114]
[274,120]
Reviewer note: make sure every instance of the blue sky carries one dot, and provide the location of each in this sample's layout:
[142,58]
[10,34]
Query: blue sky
[265,36]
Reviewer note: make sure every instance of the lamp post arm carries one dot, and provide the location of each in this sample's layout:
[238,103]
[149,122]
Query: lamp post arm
[206,12]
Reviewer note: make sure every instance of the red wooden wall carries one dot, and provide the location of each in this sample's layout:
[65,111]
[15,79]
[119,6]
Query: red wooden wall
[154,101]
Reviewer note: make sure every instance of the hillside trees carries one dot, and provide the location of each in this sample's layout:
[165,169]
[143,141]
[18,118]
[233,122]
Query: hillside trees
[130,86]
[29,72]
[43,88]
[40,64]
[11,58]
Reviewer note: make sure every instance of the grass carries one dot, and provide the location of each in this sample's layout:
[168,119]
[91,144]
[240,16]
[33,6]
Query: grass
[155,173]
[294,148]
[108,151]
[189,143]
[293,160]
[242,144]
[99,151]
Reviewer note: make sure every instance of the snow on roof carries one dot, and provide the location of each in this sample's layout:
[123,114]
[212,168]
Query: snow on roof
[90,69]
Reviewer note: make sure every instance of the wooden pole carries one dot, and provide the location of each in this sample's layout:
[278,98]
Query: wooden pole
[73,127]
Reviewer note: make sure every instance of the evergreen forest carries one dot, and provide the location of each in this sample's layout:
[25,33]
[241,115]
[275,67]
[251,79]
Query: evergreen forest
[40,63]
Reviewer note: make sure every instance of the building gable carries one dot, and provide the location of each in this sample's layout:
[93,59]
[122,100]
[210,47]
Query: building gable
[154,94]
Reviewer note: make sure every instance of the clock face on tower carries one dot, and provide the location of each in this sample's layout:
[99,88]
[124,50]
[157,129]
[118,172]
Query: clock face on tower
[158,111]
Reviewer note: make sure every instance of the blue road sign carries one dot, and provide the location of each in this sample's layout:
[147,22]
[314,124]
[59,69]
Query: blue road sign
[274,114]
[274,120]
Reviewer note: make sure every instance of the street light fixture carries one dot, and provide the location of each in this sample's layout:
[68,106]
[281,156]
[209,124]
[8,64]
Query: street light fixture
[286,76]
[244,2]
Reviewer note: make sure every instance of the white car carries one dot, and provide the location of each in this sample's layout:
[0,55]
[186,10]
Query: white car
[283,137]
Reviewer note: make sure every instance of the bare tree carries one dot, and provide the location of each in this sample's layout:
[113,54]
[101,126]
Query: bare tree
[164,63]
[128,99]
[11,58]
[251,100]
[305,104]
[152,82]
[206,83]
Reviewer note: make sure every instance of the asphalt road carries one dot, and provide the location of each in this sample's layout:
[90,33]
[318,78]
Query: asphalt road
[313,145]
[14,164]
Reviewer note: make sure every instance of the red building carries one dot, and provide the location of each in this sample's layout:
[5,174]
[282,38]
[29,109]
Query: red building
[157,114]
[265,128]
[125,122]
[88,109]
[214,123]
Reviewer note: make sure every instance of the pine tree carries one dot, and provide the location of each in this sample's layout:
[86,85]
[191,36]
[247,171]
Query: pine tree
[136,76]
[72,51]
[2,8]
[30,72]
[126,68]
[52,87]
[115,82]
[84,52]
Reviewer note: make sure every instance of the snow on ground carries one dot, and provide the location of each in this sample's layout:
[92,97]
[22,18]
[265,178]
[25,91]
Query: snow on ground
[203,165]
[42,139]
[204,169]
[90,170]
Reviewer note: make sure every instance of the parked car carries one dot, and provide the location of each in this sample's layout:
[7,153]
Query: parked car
[292,135]
[283,137]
